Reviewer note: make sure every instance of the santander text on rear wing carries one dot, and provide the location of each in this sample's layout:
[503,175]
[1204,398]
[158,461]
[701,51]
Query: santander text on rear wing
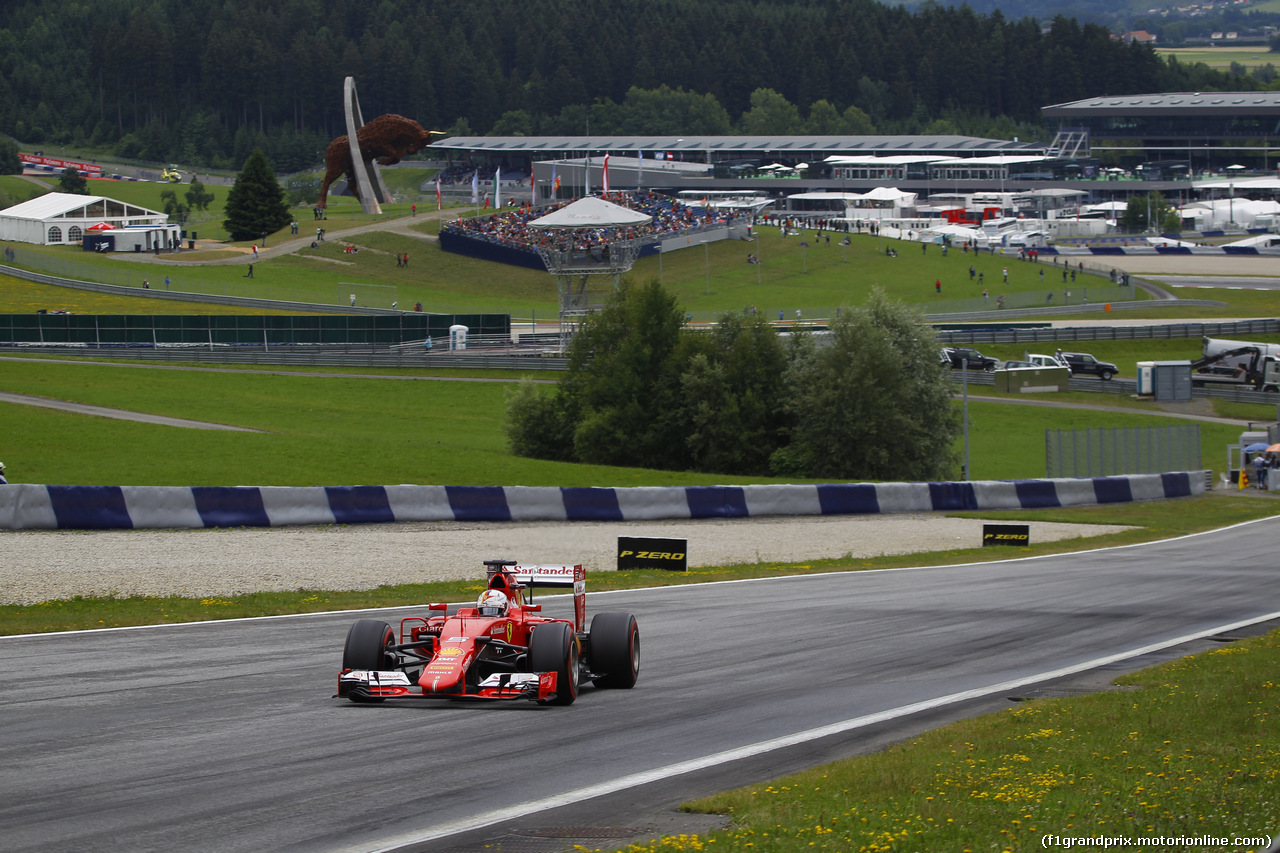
[574,576]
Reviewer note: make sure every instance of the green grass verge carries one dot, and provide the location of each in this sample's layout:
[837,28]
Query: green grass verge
[1191,750]
[332,430]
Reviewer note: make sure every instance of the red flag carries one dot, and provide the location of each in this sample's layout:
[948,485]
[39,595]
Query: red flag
[605,173]
[439,204]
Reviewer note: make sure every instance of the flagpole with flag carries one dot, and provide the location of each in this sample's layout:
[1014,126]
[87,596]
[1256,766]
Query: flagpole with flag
[475,188]
[497,191]
[639,169]
[586,177]
[439,202]
[604,173]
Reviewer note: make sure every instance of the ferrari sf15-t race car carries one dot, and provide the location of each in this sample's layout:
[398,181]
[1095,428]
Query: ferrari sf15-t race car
[500,649]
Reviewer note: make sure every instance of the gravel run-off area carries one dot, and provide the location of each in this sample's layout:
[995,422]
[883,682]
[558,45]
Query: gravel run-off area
[43,565]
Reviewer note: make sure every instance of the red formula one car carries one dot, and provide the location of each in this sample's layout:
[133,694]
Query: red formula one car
[499,649]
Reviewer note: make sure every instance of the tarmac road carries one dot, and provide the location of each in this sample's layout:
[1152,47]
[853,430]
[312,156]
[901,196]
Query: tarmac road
[222,736]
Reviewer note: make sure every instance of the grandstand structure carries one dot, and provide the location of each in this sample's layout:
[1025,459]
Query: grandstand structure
[589,238]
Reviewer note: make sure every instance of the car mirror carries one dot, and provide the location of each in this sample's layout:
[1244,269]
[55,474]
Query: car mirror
[438,606]
[532,608]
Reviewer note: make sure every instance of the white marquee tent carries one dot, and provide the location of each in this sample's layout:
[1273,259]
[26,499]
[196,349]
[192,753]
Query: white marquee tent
[65,218]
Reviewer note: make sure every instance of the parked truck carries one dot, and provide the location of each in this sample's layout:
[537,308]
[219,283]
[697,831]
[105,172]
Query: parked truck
[1247,363]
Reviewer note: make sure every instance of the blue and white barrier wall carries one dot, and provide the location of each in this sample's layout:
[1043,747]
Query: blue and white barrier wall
[25,507]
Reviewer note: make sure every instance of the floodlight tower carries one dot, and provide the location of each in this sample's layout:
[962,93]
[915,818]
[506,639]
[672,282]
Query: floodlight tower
[584,245]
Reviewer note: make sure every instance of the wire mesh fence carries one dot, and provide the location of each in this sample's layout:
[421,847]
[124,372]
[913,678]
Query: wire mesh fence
[1105,452]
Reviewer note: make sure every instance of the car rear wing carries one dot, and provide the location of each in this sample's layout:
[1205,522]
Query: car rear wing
[574,576]
[539,575]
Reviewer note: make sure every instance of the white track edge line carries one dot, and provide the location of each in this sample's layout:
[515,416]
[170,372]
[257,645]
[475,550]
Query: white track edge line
[657,774]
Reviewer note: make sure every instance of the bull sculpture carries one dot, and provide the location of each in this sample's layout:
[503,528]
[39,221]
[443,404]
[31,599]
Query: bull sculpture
[388,138]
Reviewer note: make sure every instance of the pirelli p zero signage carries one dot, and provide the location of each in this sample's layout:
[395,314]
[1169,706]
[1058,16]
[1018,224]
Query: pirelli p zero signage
[645,552]
[1006,534]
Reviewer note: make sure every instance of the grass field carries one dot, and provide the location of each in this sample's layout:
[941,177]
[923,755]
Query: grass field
[323,431]
[1220,58]
[816,278]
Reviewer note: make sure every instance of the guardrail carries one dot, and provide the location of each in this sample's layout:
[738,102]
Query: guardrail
[1108,333]
[1233,393]
[318,356]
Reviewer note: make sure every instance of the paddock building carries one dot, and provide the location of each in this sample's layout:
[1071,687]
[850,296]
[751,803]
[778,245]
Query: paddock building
[1184,145]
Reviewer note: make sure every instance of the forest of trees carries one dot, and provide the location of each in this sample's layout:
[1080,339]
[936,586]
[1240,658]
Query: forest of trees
[205,82]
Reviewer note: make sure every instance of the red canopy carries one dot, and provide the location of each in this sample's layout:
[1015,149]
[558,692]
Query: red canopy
[102,226]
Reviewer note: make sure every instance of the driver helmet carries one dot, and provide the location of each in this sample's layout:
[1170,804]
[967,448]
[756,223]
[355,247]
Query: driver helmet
[492,603]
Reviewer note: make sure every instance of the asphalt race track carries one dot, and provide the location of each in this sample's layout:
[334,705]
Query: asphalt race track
[223,736]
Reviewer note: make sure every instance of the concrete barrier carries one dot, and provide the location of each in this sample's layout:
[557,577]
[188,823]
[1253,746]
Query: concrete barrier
[26,507]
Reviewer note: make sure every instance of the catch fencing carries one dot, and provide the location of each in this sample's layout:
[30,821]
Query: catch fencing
[1108,452]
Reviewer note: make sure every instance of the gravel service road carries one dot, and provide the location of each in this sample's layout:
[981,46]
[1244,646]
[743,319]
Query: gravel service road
[43,565]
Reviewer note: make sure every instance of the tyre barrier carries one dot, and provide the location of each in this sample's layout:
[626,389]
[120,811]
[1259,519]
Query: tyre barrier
[24,506]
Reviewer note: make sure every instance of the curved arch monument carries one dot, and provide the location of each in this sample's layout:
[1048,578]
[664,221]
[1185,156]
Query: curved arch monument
[387,139]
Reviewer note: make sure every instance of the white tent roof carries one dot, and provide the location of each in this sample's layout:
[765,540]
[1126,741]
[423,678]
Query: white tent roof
[591,212]
[886,194]
[72,206]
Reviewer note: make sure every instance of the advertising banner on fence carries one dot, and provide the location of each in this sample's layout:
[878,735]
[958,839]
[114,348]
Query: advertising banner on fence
[1006,534]
[646,552]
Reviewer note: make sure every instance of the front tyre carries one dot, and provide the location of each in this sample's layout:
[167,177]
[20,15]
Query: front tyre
[366,648]
[1106,374]
[615,650]
[554,648]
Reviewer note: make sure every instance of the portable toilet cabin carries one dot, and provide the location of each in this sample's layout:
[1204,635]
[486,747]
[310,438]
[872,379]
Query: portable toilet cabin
[457,337]
[1166,381]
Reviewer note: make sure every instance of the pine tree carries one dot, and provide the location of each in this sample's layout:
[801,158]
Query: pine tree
[255,205]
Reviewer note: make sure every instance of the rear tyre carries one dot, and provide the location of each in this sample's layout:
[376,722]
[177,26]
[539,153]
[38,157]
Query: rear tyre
[366,648]
[1106,374]
[615,650]
[554,648]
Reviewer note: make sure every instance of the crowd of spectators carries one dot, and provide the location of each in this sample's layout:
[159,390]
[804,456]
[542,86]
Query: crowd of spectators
[456,173]
[511,227]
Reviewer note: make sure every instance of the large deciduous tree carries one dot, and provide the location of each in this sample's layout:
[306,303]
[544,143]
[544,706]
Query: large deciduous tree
[72,181]
[1150,212]
[255,204]
[870,400]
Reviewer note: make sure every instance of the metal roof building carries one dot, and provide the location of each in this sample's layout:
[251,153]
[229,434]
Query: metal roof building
[716,148]
[1207,130]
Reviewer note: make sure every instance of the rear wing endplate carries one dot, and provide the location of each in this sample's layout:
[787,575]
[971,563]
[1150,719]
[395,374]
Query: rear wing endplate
[574,576]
